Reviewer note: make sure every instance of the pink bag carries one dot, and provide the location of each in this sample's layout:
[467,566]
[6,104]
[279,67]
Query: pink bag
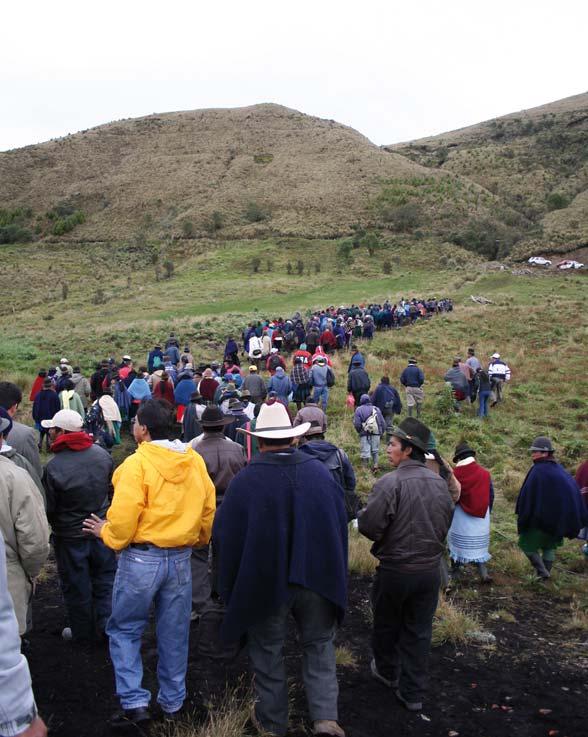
[350,402]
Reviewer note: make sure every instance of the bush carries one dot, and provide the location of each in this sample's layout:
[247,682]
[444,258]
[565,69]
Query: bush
[372,242]
[214,222]
[557,201]
[18,215]
[289,268]
[387,267]
[99,297]
[254,213]
[300,267]
[65,225]
[255,264]
[344,251]
[15,234]
[188,228]
[403,218]
[168,266]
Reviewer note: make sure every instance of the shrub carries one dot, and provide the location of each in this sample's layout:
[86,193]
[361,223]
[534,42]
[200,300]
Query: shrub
[452,624]
[168,266]
[387,267]
[557,201]
[15,234]
[254,213]
[188,228]
[99,297]
[300,267]
[255,264]
[214,222]
[317,267]
[344,251]
[289,268]
[65,225]
[263,158]
[403,218]
[64,290]
[372,242]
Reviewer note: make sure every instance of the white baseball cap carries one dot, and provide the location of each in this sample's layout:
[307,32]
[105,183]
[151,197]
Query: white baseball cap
[65,419]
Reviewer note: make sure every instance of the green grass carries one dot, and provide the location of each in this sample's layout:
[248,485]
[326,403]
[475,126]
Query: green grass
[538,323]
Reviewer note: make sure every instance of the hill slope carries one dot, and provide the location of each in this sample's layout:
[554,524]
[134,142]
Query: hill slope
[314,177]
[535,160]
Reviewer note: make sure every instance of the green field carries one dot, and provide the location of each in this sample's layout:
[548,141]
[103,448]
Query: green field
[538,322]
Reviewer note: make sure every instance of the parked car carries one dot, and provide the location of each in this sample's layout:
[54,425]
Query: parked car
[570,264]
[539,261]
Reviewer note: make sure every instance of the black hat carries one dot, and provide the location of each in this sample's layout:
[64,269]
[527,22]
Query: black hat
[213,417]
[463,450]
[542,444]
[414,432]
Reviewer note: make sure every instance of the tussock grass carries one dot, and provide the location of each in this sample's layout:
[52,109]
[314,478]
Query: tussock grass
[510,484]
[504,615]
[227,718]
[361,561]
[579,617]
[345,658]
[452,623]
[510,560]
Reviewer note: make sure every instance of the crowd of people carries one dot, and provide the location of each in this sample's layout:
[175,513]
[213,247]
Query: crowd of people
[191,529]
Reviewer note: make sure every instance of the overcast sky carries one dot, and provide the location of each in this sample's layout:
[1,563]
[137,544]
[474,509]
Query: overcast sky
[392,70]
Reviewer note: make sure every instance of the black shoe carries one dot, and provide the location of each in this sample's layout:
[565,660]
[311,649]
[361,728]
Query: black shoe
[130,717]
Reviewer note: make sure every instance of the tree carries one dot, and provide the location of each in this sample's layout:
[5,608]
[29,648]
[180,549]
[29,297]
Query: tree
[372,242]
[344,251]
[168,266]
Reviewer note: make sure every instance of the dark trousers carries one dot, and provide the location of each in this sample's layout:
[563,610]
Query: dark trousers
[86,570]
[404,605]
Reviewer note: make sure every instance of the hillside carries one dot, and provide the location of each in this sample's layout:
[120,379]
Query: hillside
[236,173]
[167,174]
[535,161]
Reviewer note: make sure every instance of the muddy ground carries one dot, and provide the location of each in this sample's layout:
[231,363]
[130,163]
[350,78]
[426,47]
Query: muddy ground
[532,683]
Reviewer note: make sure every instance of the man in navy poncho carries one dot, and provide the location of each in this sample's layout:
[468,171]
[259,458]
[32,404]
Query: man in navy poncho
[549,508]
[281,533]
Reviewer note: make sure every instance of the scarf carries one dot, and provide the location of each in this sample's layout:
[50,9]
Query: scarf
[475,488]
[72,441]
[66,396]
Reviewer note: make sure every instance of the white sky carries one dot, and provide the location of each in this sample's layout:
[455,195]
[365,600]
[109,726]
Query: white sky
[392,70]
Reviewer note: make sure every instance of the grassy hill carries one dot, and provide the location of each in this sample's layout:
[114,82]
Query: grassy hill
[249,172]
[535,161]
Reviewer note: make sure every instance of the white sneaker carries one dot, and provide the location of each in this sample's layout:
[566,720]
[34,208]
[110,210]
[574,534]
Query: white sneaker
[66,633]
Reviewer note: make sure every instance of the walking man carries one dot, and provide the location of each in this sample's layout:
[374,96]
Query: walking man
[407,516]
[412,379]
[163,505]
[285,554]
[549,508]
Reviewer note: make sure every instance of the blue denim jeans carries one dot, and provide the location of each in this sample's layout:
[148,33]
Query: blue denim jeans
[322,393]
[160,576]
[483,399]
[316,622]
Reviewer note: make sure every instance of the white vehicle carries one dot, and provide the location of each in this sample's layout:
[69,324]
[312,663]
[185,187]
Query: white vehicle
[570,264]
[539,261]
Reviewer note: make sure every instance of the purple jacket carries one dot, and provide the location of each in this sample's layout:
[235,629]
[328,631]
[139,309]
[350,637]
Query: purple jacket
[361,414]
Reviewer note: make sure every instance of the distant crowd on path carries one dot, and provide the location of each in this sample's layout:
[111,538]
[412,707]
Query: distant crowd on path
[195,528]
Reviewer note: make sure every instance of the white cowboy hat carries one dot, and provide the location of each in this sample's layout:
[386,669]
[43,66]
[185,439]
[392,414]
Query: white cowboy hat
[273,422]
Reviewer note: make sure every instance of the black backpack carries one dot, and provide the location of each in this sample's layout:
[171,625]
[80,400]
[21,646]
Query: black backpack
[330,377]
[94,421]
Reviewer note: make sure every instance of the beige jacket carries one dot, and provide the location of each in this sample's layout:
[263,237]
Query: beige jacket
[24,527]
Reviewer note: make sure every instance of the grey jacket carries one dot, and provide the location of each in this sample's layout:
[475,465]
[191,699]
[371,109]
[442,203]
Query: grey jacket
[82,388]
[408,514]
[17,703]
[9,452]
[23,524]
[24,440]
[256,385]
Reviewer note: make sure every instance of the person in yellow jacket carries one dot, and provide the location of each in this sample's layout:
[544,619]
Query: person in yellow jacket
[163,505]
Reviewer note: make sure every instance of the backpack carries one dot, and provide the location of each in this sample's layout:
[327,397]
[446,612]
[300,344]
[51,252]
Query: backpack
[94,420]
[334,465]
[370,426]
[274,362]
[330,378]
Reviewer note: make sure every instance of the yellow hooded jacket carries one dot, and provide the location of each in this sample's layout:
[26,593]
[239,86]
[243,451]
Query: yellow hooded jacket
[161,496]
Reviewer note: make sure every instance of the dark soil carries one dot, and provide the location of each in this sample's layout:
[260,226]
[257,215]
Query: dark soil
[474,691]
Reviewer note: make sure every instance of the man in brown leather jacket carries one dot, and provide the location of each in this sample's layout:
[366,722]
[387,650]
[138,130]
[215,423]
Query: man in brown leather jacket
[407,516]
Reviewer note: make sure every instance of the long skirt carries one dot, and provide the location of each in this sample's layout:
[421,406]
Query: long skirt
[469,537]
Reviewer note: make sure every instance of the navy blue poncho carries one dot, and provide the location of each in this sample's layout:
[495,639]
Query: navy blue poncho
[550,501]
[282,521]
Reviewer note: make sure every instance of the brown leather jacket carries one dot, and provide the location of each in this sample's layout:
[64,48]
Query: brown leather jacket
[407,516]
